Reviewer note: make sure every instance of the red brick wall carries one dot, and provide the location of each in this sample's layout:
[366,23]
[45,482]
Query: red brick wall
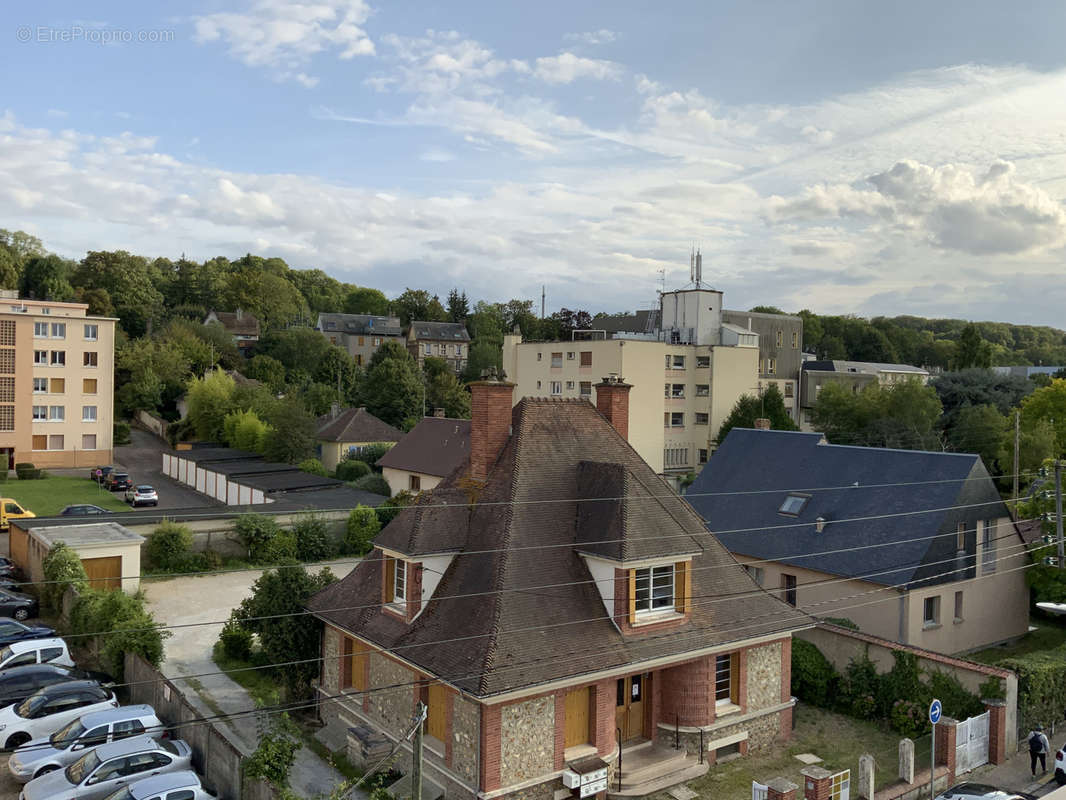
[997,731]
[490,427]
[621,598]
[490,748]
[602,698]
[945,745]
[686,692]
[612,400]
[786,669]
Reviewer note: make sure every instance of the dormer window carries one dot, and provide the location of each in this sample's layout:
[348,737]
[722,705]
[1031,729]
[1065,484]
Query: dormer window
[399,582]
[654,589]
[793,504]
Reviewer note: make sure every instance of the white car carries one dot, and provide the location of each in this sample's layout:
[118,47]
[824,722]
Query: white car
[1060,765]
[183,785]
[70,742]
[35,651]
[142,495]
[46,711]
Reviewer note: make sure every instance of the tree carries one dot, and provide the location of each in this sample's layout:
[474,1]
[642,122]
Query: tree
[128,280]
[21,245]
[569,321]
[1037,444]
[292,435]
[322,292]
[268,371]
[418,304]
[209,400]
[765,310]
[393,390]
[979,429]
[458,306]
[244,430]
[972,350]
[748,408]
[1047,404]
[261,286]
[975,387]
[296,348]
[901,415]
[443,390]
[483,354]
[149,374]
[47,278]
[98,300]
[362,527]
[366,301]
[10,270]
[336,369]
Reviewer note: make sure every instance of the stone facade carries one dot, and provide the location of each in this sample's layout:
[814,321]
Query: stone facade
[466,737]
[527,740]
[331,654]
[392,709]
[764,676]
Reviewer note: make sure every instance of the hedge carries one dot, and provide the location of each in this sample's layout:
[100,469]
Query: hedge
[1041,685]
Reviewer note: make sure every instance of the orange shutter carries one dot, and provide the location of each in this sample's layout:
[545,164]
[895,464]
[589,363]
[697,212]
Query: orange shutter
[632,595]
[682,587]
[390,579]
[358,663]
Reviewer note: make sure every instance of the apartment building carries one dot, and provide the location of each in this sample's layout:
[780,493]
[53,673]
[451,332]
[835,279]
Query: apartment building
[448,341]
[57,367]
[359,334]
[780,351]
[686,376]
[855,374]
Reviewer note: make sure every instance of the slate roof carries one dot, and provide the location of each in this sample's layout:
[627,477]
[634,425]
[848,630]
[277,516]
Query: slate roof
[356,425]
[626,323]
[492,626]
[359,324]
[740,491]
[861,367]
[246,325]
[443,331]
[435,446]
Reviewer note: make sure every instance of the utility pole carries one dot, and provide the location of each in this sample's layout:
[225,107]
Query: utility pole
[1017,441]
[1058,511]
[416,757]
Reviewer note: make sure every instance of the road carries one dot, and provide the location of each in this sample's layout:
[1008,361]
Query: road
[143,459]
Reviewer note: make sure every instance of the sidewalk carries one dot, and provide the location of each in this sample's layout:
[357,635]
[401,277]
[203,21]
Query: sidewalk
[1014,774]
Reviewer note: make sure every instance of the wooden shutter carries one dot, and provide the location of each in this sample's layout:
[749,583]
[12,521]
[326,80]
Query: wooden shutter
[734,678]
[390,579]
[682,587]
[358,667]
[632,595]
[576,724]
[437,712]
[346,664]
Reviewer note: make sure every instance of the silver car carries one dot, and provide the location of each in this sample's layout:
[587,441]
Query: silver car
[109,768]
[184,785]
[70,742]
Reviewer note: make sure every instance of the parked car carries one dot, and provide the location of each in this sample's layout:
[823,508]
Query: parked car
[110,767]
[69,743]
[18,683]
[14,631]
[51,708]
[100,473]
[1060,765]
[118,481]
[9,510]
[9,570]
[143,495]
[982,791]
[182,785]
[35,651]
[17,605]
[83,510]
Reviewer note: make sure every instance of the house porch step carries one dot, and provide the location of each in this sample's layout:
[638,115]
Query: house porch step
[650,768]
[692,769]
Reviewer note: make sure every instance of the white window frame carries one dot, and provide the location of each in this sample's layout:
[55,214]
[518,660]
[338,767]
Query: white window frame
[680,415]
[37,382]
[927,621]
[723,679]
[399,581]
[40,330]
[427,349]
[988,547]
[40,358]
[88,413]
[677,362]
[88,356]
[92,333]
[40,413]
[59,330]
[61,361]
[57,413]
[705,418]
[793,504]
[556,388]
[654,579]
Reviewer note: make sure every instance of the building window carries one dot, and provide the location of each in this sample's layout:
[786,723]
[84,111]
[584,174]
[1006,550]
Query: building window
[677,362]
[92,333]
[958,606]
[666,390]
[40,330]
[795,339]
[675,457]
[427,349]
[89,359]
[723,679]
[793,504]
[586,358]
[677,419]
[701,418]
[540,356]
[88,413]
[399,583]
[59,358]
[677,390]
[59,330]
[59,385]
[960,538]
[771,366]
[569,386]
[703,390]
[55,442]
[414,483]
[570,355]
[40,385]
[7,418]
[585,388]
[703,455]
[40,443]
[557,359]
[7,333]
[557,387]
[538,384]
[40,413]
[88,441]
[88,385]
[40,358]
[789,389]
[755,572]
[988,547]
[653,589]
[376,341]
[458,349]
[780,338]
[703,362]
[931,611]
[57,413]
[788,583]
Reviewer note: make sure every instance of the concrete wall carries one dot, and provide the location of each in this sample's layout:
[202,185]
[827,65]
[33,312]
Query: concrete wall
[399,480]
[152,423]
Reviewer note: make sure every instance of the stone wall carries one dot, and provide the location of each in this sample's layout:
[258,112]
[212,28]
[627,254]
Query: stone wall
[764,676]
[331,652]
[762,732]
[392,709]
[466,738]
[527,740]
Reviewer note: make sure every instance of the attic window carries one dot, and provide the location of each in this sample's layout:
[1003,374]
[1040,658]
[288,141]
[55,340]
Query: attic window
[794,504]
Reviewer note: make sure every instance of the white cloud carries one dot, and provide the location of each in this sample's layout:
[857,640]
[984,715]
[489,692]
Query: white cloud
[602,36]
[57,113]
[436,154]
[283,36]
[567,68]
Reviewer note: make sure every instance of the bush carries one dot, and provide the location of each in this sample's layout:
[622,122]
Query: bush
[62,569]
[128,626]
[372,452]
[3,476]
[362,527]
[212,560]
[373,483]
[814,680]
[120,433]
[313,466]
[25,471]
[256,532]
[352,470]
[236,640]
[276,753]
[908,718]
[388,510]
[312,538]
[168,547]
[1041,684]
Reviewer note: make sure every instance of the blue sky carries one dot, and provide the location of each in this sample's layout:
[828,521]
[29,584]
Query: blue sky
[854,157]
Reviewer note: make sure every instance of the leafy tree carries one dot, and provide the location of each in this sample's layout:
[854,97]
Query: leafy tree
[62,569]
[319,398]
[313,466]
[129,283]
[320,291]
[393,389]
[336,368]
[901,415]
[257,533]
[312,538]
[10,271]
[46,278]
[569,321]
[972,350]
[98,300]
[296,348]
[275,754]
[244,430]
[748,408]
[765,310]
[488,322]
[418,304]
[976,387]
[292,435]
[267,370]
[366,301]
[979,429]
[21,245]
[483,354]
[209,400]
[261,286]
[169,546]
[1037,444]
[362,527]
[443,390]
[1046,403]
[458,306]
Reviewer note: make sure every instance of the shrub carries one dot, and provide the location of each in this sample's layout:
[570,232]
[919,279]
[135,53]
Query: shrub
[62,569]
[120,433]
[255,532]
[313,466]
[860,679]
[388,510]
[3,476]
[276,753]
[236,640]
[373,483]
[362,527]
[312,538]
[1041,684]
[128,625]
[168,547]
[25,471]
[352,470]
[992,689]
[814,680]
[372,452]
[908,718]
[280,549]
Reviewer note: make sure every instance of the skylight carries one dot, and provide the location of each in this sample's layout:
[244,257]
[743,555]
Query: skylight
[793,504]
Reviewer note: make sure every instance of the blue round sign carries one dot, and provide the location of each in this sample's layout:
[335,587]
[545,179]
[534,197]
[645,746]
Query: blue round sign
[935,710]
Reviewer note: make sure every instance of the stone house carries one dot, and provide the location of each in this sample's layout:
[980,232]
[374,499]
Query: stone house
[242,326]
[448,341]
[556,607]
[360,335]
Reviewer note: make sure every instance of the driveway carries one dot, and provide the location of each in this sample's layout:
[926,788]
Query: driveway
[210,598]
[142,458]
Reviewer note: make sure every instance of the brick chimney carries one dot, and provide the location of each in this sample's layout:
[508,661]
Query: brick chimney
[612,400]
[490,421]
[762,424]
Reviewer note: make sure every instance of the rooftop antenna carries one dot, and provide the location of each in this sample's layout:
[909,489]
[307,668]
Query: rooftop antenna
[698,268]
[542,301]
[692,265]
[652,323]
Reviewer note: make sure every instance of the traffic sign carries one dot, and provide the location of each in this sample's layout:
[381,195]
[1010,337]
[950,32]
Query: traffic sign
[935,710]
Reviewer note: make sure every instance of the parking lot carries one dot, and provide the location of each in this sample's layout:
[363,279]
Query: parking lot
[142,458]
[9,789]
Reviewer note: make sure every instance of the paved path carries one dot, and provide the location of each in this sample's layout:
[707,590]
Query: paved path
[210,598]
[142,458]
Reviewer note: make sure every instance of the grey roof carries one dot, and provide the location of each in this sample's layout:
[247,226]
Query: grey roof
[729,312]
[235,469]
[444,331]
[91,534]
[862,367]
[359,324]
[287,481]
[435,446]
[206,455]
[355,425]
[626,323]
[740,491]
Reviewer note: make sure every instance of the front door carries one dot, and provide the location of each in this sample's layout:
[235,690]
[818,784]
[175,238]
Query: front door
[629,706]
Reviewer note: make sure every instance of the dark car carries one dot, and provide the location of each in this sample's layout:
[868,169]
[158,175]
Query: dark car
[100,474]
[13,631]
[9,570]
[17,605]
[18,683]
[83,510]
[118,481]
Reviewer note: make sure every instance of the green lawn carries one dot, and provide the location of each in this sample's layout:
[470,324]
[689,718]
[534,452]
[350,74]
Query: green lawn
[1049,634]
[49,496]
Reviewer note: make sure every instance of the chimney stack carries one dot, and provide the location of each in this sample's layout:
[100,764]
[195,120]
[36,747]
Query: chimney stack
[490,420]
[334,410]
[612,400]
[762,424]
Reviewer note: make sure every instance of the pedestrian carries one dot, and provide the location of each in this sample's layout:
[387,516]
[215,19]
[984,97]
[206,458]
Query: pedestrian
[1038,749]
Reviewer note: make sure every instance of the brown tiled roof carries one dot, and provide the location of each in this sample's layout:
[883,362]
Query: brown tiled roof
[492,626]
[247,325]
[356,425]
[435,446]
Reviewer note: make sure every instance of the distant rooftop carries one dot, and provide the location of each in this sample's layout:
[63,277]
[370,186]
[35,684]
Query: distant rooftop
[366,324]
[861,367]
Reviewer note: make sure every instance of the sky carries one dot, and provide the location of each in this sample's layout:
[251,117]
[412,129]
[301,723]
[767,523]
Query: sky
[847,157]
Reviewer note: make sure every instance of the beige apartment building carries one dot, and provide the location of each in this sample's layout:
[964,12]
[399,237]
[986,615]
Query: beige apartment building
[686,377]
[57,367]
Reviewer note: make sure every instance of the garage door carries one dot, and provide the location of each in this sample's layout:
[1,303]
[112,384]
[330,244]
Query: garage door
[17,542]
[104,573]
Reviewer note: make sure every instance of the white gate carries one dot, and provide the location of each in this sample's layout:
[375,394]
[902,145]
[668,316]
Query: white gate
[840,786]
[971,743]
[759,791]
